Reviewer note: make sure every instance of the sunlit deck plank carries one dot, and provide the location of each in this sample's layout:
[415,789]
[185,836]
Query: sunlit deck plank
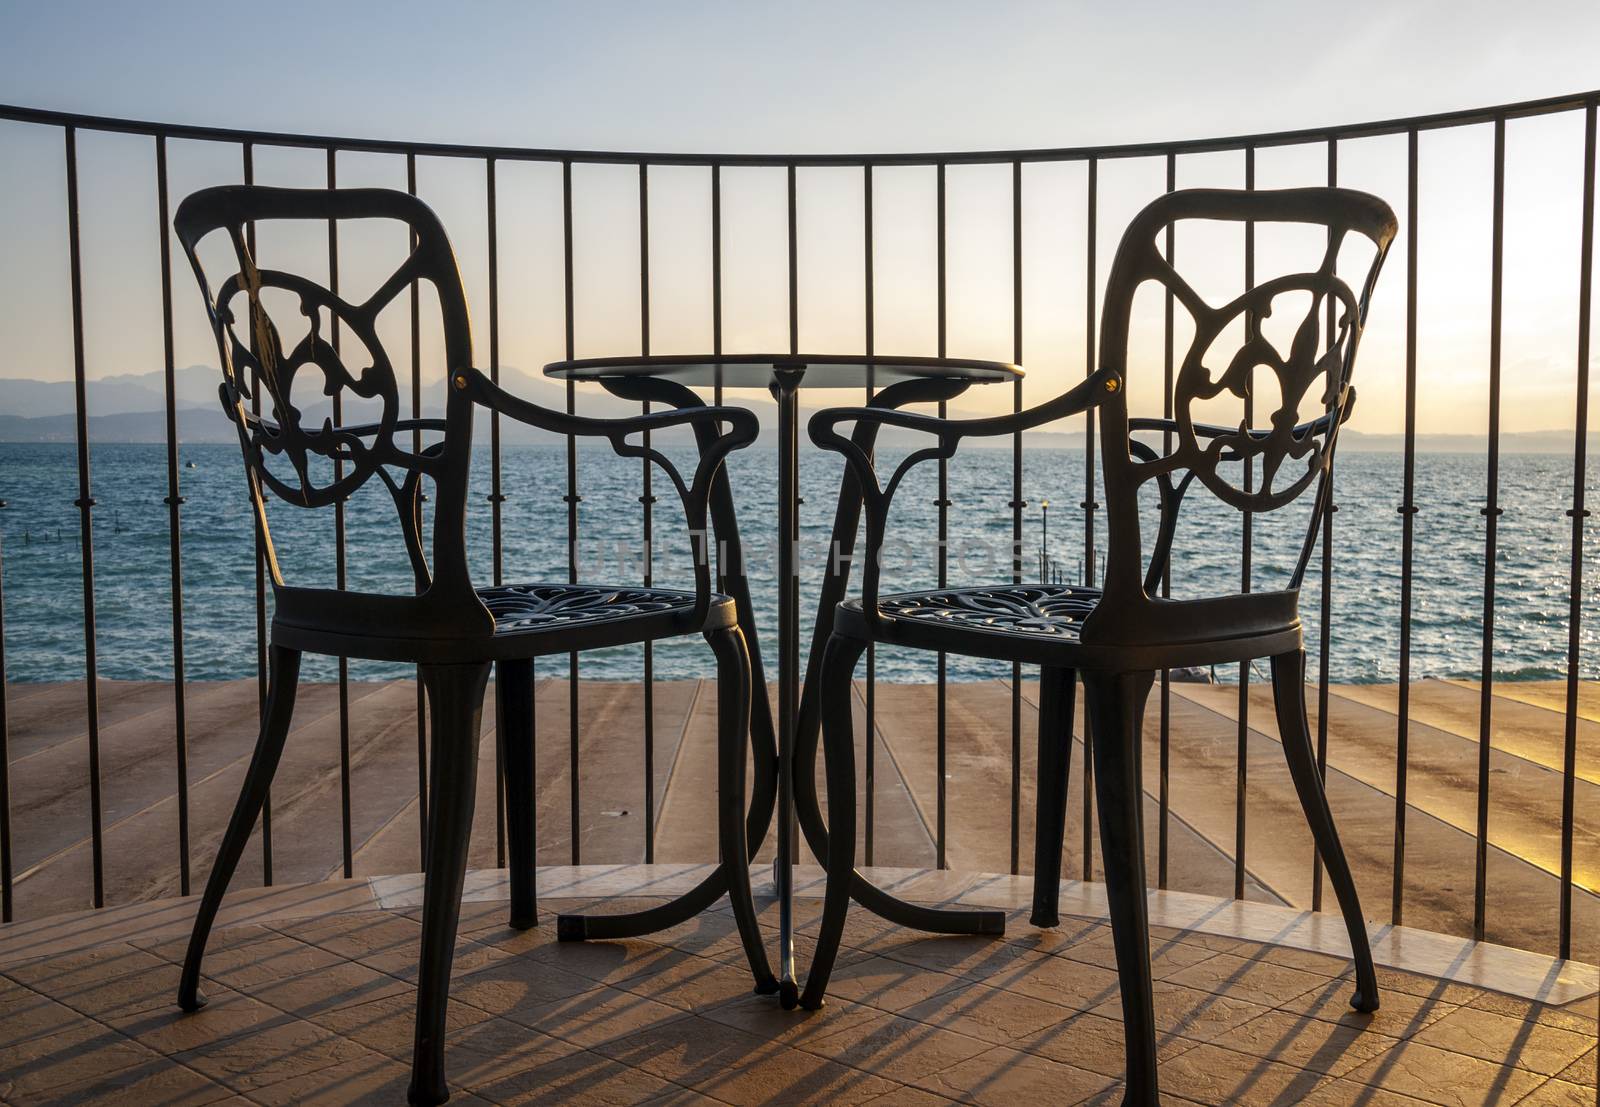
[142,820]
[1530,731]
[1548,694]
[1441,855]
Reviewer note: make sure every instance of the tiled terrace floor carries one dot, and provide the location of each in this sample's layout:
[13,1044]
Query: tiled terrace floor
[317,1009]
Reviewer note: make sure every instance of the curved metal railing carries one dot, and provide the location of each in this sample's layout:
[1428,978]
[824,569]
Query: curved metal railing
[1327,139]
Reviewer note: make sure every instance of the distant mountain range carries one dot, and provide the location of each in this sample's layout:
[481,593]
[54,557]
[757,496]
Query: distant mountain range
[131,407]
[1354,441]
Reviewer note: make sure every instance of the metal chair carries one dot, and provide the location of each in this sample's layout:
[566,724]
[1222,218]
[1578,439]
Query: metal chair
[1117,637]
[453,631]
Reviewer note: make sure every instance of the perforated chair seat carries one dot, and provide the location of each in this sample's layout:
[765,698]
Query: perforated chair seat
[542,607]
[1050,611]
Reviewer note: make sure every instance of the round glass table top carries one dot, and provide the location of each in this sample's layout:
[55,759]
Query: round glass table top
[756,370]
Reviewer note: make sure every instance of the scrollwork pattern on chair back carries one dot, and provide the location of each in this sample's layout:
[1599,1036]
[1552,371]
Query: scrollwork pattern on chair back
[326,463]
[1294,447]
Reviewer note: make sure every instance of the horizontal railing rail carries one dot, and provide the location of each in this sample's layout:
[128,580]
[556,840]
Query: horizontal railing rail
[1325,140]
[1105,152]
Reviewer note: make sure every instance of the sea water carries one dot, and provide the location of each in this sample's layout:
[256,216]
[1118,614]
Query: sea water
[41,558]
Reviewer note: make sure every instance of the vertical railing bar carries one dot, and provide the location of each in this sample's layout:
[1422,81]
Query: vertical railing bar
[339,559]
[872,654]
[794,263]
[1242,768]
[716,280]
[789,590]
[716,323]
[1089,504]
[1491,515]
[248,156]
[85,504]
[1163,792]
[1017,505]
[7,907]
[180,735]
[498,499]
[646,499]
[572,505]
[716,349]
[1408,514]
[1325,605]
[496,488]
[943,503]
[1579,513]
[416,446]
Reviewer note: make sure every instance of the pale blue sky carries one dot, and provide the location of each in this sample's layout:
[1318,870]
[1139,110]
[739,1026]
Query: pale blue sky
[820,76]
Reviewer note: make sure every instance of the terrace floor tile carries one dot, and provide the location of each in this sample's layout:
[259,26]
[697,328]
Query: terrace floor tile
[320,1009]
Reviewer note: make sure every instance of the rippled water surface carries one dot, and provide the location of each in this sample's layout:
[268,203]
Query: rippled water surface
[43,587]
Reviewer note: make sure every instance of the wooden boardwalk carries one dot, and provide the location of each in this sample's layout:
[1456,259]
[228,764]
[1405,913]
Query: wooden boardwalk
[50,805]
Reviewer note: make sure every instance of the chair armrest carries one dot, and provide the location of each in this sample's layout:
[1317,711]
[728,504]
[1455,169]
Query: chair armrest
[486,393]
[743,427]
[715,444]
[1074,402]
[949,432]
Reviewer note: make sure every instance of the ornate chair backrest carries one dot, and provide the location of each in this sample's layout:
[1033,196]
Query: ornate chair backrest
[1291,452]
[314,466]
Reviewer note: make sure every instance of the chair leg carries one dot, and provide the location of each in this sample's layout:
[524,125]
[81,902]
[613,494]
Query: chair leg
[1289,697]
[455,703]
[1116,710]
[635,924]
[763,795]
[913,916]
[513,690]
[283,681]
[733,723]
[839,749]
[1057,692]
